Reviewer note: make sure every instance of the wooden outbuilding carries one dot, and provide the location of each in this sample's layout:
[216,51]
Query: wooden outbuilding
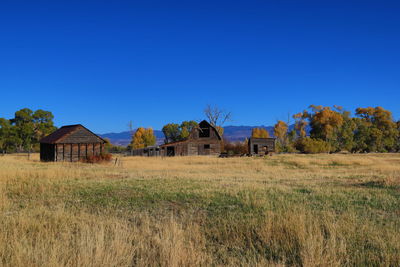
[70,143]
[204,139]
[261,146]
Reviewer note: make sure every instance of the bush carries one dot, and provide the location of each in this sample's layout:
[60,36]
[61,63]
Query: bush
[238,148]
[103,157]
[309,145]
[289,148]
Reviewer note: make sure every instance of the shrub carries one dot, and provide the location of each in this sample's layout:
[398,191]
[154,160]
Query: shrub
[289,148]
[310,145]
[238,148]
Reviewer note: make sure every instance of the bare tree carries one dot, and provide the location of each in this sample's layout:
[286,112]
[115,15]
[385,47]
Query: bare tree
[217,116]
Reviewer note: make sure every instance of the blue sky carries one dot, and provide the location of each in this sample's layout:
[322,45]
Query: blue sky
[104,63]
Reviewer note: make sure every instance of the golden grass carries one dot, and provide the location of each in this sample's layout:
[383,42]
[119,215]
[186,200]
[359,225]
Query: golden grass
[285,210]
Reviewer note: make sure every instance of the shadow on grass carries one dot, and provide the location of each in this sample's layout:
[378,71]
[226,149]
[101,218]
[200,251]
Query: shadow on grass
[372,184]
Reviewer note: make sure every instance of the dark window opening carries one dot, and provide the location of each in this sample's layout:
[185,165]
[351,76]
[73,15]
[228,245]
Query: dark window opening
[255,149]
[207,147]
[204,132]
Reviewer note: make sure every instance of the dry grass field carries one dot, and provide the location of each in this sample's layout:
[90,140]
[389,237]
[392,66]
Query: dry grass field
[285,210]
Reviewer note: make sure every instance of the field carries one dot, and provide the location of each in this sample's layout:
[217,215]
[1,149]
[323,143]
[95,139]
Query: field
[296,210]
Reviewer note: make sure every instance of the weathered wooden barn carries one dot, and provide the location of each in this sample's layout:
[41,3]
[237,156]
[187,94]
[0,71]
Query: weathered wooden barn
[70,143]
[261,146]
[203,140]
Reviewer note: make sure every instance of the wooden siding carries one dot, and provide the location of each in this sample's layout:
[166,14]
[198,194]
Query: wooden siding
[261,146]
[69,152]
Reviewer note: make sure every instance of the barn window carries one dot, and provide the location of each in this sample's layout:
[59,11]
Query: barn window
[204,132]
[206,146]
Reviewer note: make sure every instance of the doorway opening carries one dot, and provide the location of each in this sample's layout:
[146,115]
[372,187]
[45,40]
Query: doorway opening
[170,151]
[255,149]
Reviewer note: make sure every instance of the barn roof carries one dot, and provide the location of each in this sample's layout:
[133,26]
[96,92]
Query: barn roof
[211,126]
[65,131]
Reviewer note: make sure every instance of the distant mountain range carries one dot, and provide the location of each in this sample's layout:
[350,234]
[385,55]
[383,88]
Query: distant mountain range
[232,133]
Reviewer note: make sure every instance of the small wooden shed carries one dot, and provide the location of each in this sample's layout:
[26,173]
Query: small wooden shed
[70,143]
[261,146]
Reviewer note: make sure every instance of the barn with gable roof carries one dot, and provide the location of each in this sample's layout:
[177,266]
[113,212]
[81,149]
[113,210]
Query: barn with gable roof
[71,143]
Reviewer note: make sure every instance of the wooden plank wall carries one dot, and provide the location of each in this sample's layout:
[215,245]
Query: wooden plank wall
[75,152]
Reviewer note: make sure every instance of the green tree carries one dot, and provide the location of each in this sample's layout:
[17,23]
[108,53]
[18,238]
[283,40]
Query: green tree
[43,123]
[8,138]
[171,132]
[23,121]
[376,131]
[186,128]
[346,134]
[29,127]
[398,136]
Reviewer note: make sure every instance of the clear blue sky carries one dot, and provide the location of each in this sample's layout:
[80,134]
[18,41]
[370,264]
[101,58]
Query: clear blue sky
[104,63]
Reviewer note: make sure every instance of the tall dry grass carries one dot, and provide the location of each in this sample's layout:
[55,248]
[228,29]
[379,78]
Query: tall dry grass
[286,210]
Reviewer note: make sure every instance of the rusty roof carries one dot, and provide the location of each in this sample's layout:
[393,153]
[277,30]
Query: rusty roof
[64,131]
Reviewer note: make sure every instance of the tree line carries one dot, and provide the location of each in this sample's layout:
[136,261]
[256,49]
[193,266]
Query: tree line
[333,129]
[23,132]
[316,129]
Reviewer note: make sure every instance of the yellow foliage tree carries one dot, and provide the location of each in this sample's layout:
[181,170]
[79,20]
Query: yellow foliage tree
[143,138]
[325,123]
[301,123]
[280,131]
[259,133]
[149,138]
